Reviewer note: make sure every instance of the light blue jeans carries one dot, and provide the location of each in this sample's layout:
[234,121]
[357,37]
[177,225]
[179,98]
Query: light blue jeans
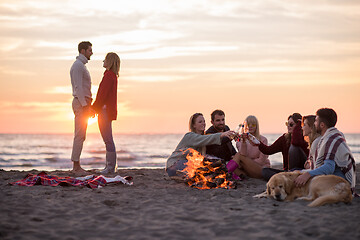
[81,122]
[106,130]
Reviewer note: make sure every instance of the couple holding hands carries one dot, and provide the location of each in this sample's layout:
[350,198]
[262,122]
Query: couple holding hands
[105,104]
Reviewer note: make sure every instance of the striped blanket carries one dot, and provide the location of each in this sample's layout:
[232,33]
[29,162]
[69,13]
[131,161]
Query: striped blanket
[332,146]
[90,181]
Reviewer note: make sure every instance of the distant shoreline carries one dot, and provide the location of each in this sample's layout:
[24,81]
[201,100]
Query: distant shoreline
[140,133]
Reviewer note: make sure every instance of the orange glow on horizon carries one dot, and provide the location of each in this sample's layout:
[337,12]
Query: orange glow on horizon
[268,60]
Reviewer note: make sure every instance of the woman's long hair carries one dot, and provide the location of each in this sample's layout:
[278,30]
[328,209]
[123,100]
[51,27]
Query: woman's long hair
[314,134]
[295,117]
[114,62]
[192,121]
[252,119]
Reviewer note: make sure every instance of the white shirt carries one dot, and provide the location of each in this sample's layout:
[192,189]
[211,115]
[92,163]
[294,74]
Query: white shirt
[80,79]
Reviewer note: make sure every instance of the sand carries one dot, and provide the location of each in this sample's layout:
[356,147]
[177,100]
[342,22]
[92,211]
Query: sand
[156,207]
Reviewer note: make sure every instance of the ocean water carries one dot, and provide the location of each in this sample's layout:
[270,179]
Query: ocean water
[52,151]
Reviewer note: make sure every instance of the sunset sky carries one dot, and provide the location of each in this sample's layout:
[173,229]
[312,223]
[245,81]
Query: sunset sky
[264,58]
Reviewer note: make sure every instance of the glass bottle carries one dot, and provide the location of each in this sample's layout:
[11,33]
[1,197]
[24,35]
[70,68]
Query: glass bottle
[253,139]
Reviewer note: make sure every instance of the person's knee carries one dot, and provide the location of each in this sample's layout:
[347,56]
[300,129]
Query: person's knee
[243,158]
[267,173]
[171,171]
[237,158]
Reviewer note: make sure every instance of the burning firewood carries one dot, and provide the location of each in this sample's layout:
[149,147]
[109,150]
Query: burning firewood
[206,172]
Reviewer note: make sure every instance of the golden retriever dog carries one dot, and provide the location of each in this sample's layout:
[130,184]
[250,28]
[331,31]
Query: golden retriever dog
[320,190]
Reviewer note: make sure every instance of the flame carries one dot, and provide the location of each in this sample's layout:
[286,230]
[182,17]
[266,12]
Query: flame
[202,175]
[92,120]
[195,161]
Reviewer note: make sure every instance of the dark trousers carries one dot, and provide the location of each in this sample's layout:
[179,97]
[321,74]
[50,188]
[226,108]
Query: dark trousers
[297,159]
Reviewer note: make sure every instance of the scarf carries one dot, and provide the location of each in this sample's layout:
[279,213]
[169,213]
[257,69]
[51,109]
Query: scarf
[332,146]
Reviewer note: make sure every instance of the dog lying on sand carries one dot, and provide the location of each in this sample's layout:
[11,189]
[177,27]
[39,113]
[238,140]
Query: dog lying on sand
[320,190]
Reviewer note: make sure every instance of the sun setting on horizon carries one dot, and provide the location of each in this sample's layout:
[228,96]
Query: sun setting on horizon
[262,58]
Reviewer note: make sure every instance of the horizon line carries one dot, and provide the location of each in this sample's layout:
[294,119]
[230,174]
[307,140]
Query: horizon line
[126,133]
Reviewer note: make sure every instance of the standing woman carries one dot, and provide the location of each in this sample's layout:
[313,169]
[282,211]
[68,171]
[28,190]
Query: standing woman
[105,106]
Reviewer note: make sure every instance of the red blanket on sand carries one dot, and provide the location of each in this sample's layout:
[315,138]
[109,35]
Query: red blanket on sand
[52,180]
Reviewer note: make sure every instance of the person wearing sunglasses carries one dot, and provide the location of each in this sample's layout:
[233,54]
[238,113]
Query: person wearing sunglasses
[292,145]
[250,160]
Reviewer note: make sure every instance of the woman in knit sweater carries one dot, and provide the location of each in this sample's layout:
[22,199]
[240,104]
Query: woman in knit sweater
[194,139]
[105,106]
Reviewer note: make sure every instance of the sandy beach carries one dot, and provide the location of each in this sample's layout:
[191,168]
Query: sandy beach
[155,207]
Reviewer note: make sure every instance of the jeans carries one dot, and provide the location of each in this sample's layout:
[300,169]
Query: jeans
[81,122]
[297,158]
[106,130]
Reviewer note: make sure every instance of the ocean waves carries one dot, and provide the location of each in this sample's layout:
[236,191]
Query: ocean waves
[53,151]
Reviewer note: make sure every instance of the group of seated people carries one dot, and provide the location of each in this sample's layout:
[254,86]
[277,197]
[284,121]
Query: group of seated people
[311,144]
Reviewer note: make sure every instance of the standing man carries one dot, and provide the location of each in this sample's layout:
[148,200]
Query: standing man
[225,150]
[81,90]
[332,155]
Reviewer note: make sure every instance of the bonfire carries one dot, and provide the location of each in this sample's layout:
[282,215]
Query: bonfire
[206,172]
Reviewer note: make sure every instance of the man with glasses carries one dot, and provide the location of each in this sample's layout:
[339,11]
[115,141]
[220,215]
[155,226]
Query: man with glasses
[225,150]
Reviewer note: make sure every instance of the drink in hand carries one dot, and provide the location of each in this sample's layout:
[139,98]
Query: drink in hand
[238,131]
[253,139]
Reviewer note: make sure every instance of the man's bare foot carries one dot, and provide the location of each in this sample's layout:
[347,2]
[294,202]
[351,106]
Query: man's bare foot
[77,169]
